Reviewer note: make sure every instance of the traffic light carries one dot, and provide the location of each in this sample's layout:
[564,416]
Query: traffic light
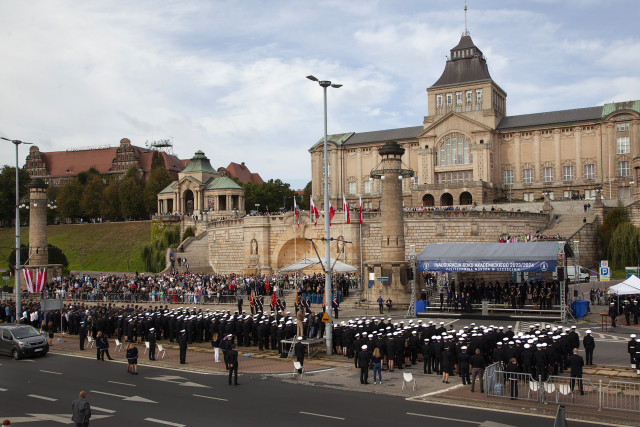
[560,274]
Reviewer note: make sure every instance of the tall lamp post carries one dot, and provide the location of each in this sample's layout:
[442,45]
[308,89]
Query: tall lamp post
[17,267]
[327,234]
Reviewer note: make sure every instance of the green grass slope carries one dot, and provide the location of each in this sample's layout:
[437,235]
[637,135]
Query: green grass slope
[106,246]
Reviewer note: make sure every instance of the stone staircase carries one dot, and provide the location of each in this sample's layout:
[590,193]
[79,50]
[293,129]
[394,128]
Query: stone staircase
[568,224]
[196,251]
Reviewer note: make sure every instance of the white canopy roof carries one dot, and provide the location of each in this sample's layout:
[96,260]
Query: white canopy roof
[304,263]
[630,286]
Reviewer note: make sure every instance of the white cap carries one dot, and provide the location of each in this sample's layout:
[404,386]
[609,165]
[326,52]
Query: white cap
[632,335]
[588,331]
[364,347]
[299,338]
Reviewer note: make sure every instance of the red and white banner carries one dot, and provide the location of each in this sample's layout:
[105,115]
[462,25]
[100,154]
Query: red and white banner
[345,208]
[314,213]
[331,213]
[295,208]
[360,213]
[38,285]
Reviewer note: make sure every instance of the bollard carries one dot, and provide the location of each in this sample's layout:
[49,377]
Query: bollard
[600,395]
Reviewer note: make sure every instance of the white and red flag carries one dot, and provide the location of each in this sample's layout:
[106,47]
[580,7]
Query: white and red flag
[295,209]
[41,277]
[27,280]
[360,212]
[314,213]
[331,213]
[345,208]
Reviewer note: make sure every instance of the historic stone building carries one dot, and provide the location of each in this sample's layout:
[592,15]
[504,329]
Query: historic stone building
[468,150]
[201,190]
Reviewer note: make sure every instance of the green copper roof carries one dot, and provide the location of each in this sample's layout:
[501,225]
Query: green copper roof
[338,139]
[223,183]
[199,163]
[168,188]
[616,106]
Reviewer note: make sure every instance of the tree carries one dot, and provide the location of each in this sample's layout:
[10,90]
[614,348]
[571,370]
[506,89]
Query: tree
[306,197]
[271,195]
[84,176]
[69,199]
[157,161]
[8,191]
[612,220]
[131,195]
[624,245]
[158,180]
[111,201]
[92,201]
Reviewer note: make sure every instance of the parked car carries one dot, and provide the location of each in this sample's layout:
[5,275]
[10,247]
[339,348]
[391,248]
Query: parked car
[20,341]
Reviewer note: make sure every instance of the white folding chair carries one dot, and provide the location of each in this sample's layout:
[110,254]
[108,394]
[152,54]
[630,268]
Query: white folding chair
[146,347]
[161,350]
[91,341]
[533,387]
[118,345]
[407,377]
[297,366]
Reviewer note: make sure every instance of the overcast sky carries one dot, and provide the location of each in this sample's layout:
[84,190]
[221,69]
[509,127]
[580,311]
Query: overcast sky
[228,77]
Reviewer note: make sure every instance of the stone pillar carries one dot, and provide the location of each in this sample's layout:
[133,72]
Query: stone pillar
[38,223]
[392,248]
[517,141]
[577,135]
[536,156]
[558,159]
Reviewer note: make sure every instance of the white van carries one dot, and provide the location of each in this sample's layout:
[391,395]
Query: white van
[570,273]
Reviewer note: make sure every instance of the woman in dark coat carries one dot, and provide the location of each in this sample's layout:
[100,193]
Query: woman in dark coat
[447,364]
[132,358]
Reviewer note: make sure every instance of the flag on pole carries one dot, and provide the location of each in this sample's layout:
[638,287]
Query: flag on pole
[331,213]
[27,280]
[40,279]
[273,298]
[295,209]
[360,212]
[345,208]
[314,213]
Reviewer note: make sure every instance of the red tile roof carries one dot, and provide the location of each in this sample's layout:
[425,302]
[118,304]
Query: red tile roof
[69,163]
[240,171]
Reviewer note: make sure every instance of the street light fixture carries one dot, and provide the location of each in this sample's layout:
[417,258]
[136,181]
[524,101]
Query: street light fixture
[17,267]
[327,234]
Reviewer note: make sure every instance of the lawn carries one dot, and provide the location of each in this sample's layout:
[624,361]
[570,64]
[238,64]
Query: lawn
[94,247]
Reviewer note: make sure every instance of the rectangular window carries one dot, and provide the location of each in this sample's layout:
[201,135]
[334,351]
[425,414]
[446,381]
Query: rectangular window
[439,104]
[527,176]
[547,174]
[449,99]
[622,127]
[622,145]
[590,171]
[528,197]
[567,173]
[550,195]
[351,187]
[458,102]
[623,168]
[366,186]
[468,100]
[478,99]
[624,193]
[508,177]
[589,194]
[567,194]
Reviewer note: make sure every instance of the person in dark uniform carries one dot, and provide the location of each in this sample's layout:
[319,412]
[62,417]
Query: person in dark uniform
[298,349]
[631,349]
[447,364]
[151,338]
[182,341]
[427,352]
[463,365]
[363,360]
[380,304]
[477,370]
[82,334]
[613,313]
[336,306]
[513,369]
[589,345]
[232,359]
[576,363]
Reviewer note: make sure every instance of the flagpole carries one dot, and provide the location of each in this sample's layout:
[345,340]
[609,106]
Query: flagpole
[361,268]
[295,238]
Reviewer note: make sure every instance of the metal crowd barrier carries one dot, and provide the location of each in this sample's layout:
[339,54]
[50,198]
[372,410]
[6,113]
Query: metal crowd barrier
[617,395]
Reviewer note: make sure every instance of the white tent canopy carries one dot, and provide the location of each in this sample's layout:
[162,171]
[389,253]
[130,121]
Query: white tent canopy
[304,263]
[630,286]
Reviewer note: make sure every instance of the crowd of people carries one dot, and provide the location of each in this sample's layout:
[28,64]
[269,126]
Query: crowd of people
[523,238]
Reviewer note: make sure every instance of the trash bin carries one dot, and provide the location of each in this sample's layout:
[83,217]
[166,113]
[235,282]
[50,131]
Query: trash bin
[420,306]
[579,308]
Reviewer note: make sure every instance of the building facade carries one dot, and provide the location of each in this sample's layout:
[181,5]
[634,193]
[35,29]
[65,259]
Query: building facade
[469,151]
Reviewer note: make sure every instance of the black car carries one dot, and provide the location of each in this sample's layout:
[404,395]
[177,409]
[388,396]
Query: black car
[20,341]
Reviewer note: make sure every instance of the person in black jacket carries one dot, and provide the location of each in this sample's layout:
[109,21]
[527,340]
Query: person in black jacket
[631,349]
[232,359]
[589,345]
[299,352]
[463,365]
[363,360]
[447,364]
[151,339]
[576,363]
[182,341]
[82,335]
[613,313]
[427,352]
[513,369]
[477,370]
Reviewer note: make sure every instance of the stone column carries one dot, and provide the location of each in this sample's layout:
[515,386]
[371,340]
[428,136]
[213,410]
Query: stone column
[558,160]
[577,135]
[38,223]
[517,140]
[359,182]
[537,156]
[392,230]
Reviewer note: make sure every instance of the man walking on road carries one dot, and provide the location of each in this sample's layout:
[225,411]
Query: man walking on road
[477,370]
[151,338]
[232,358]
[589,345]
[299,352]
[81,411]
[182,340]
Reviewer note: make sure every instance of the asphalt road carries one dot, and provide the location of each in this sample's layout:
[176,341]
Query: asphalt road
[38,392]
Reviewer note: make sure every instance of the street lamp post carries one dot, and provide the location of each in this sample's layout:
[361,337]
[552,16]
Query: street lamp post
[327,234]
[17,266]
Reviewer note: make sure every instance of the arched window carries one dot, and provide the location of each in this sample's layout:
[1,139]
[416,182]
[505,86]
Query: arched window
[454,150]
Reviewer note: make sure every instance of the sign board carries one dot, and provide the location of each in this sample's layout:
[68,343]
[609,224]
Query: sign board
[382,279]
[605,274]
[370,284]
[593,272]
[491,266]
[325,318]
[372,276]
[630,271]
[51,304]
[604,263]
[560,257]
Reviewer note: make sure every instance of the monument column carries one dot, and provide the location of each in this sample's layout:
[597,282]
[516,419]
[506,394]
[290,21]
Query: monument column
[38,223]
[536,156]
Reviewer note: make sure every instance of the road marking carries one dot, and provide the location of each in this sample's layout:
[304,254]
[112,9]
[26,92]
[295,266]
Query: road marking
[167,423]
[321,415]
[174,379]
[306,372]
[50,372]
[129,398]
[117,382]
[108,411]
[211,397]
[27,360]
[36,396]
[443,418]
[3,389]
[433,393]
